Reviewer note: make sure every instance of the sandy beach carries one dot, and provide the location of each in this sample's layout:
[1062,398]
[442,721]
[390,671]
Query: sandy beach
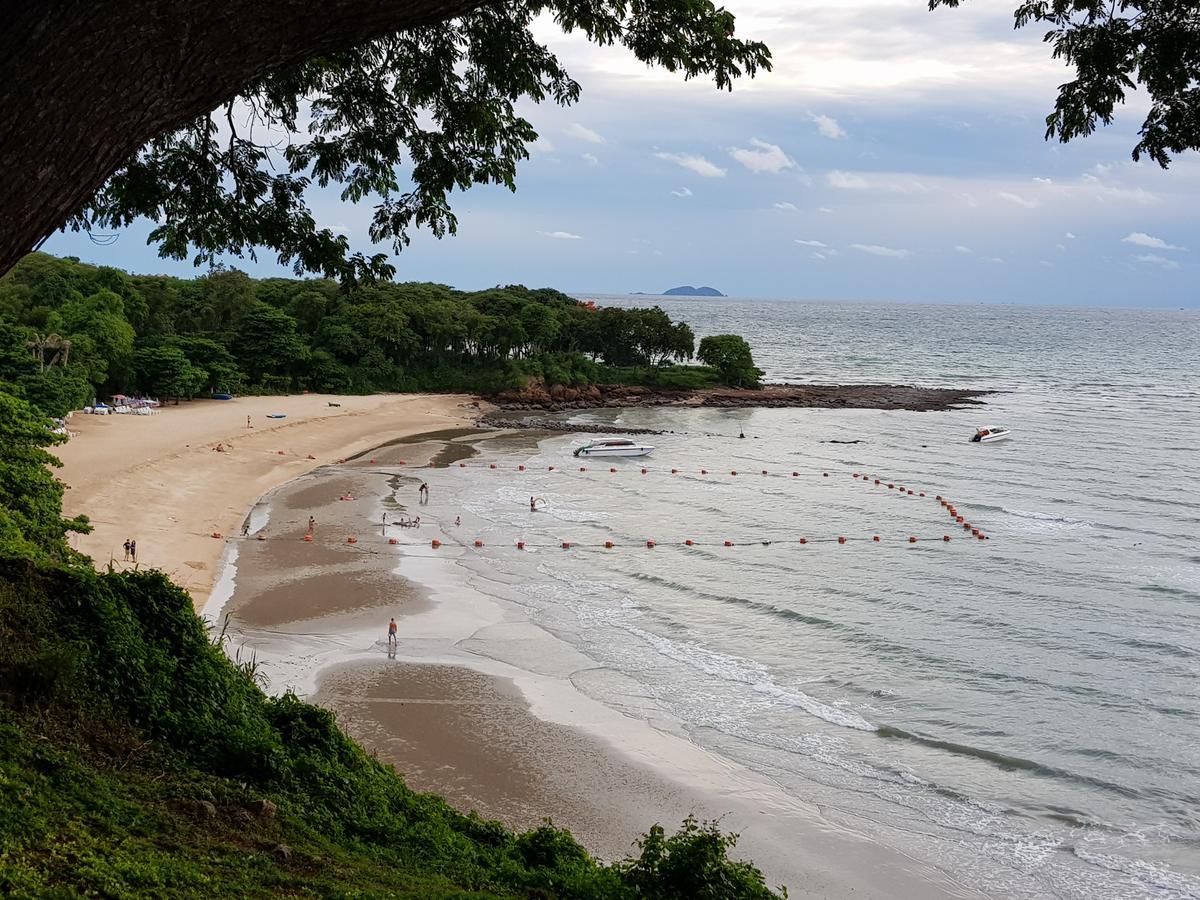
[158,480]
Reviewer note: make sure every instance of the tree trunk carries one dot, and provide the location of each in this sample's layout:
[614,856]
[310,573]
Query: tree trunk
[84,84]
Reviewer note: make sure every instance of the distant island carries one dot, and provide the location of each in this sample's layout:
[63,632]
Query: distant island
[688,291]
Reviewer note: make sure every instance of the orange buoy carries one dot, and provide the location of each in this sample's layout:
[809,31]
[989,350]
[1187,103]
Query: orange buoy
[643,471]
[733,472]
[352,540]
[911,539]
[975,531]
[946,538]
[804,540]
[478,543]
[764,471]
[462,465]
[491,465]
[958,518]
[877,481]
[891,487]
[520,468]
[216,534]
[875,539]
[566,545]
[729,543]
[280,452]
[308,537]
[689,542]
[982,537]
[612,470]
[704,471]
[824,474]
[855,474]
[966,526]
[372,459]
[939,497]
[520,545]
[922,494]
[393,541]
[435,543]
[795,474]
[608,545]
[649,543]
[549,468]
[674,471]
[403,463]
[841,540]
[583,468]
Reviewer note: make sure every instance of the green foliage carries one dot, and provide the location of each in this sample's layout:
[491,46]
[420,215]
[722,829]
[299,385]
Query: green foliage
[692,863]
[31,522]
[1117,46]
[103,765]
[437,102]
[730,355]
[227,332]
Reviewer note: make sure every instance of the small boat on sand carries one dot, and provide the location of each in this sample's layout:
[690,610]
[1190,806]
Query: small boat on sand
[988,435]
[613,448]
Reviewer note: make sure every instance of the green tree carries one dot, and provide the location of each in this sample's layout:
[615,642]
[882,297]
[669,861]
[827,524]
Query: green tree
[31,522]
[166,372]
[430,87]
[730,355]
[1117,46]
[266,343]
[101,336]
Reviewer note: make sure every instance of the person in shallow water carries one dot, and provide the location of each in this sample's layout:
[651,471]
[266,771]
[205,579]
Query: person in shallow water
[392,632]
[532,504]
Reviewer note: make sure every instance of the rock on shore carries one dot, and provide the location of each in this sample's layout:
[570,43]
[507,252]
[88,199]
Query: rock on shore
[831,396]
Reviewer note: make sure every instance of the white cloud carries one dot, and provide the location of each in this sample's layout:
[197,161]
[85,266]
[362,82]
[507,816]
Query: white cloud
[1038,180]
[877,250]
[824,209]
[1017,199]
[561,235]
[993,259]
[846,180]
[697,164]
[1154,259]
[827,126]
[1069,236]
[1046,263]
[585,134]
[811,243]
[682,192]
[1141,239]
[1061,247]
[785,206]
[339,228]
[767,158]
[966,251]
[970,200]
[590,159]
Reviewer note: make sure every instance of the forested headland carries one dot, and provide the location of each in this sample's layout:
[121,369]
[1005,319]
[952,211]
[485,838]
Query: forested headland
[71,331]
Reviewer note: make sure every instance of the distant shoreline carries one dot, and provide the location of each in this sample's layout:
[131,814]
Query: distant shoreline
[821,396]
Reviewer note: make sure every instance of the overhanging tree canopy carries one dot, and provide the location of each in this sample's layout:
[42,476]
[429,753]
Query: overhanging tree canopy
[1115,46]
[214,117]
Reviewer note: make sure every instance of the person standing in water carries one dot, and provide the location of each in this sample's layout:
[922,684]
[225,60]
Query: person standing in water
[312,523]
[533,504]
[392,632]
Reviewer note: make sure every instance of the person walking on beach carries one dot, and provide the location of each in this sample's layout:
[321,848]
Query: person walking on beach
[248,425]
[126,549]
[312,523]
[246,527]
[392,632]
[458,520]
[133,550]
[423,492]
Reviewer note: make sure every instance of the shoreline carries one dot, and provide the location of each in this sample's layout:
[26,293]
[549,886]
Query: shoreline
[158,479]
[769,396]
[481,705]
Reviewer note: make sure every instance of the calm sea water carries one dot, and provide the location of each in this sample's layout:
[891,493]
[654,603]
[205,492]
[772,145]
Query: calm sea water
[1023,712]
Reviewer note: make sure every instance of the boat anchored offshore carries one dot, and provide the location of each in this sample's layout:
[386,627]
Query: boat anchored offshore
[987,435]
[613,448]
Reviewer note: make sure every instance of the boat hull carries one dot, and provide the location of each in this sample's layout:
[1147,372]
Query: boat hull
[613,451]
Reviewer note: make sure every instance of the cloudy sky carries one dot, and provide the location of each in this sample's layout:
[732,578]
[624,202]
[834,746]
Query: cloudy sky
[893,154]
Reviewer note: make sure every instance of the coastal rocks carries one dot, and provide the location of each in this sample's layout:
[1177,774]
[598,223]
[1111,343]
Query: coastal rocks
[565,427]
[560,398]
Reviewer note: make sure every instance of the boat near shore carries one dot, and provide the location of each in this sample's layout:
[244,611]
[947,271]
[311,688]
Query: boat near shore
[990,435]
[613,448]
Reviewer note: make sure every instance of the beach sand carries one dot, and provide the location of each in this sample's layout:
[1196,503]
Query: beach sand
[157,479]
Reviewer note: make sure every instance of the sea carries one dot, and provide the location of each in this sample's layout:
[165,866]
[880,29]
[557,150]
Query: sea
[1022,711]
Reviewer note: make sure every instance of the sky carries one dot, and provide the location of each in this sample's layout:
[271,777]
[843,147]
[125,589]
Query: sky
[893,154]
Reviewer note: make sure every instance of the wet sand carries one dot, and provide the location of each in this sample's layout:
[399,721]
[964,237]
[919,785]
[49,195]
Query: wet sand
[458,721]
[158,479]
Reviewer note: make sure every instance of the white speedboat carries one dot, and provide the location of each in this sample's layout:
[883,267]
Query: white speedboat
[613,448]
[988,435]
